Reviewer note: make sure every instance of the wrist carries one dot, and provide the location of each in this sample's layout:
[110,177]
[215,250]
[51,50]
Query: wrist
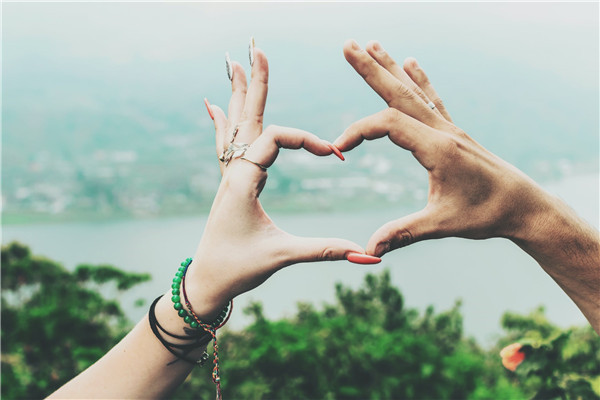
[532,212]
[197,298]
[549,225]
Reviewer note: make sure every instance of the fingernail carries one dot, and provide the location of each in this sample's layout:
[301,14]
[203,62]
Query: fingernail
[355,45]
[334,149]
[358,258]
[228,66]
[251,50]
[377,47]
[337,152]
[382,248]
[414,62]
[207,104]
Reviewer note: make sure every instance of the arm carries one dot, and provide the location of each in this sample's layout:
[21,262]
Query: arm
[472,193]
[240,248]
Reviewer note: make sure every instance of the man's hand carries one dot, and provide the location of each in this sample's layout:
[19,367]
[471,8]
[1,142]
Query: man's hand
[472,193]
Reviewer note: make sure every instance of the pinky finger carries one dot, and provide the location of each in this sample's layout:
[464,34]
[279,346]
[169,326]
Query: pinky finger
[418,75]
[220,121]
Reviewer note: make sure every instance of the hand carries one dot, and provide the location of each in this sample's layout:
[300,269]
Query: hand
[241,246]
[472,193]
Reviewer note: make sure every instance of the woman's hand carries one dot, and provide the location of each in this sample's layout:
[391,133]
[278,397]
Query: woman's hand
[472,193]
[241,246]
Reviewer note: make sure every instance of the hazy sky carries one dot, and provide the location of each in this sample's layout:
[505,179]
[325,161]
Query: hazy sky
[61,57]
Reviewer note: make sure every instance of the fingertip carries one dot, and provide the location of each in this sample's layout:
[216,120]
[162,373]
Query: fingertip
[260,59]
[341,143]
[210,113]
[239,74]
[411,63]
[373,46]
[337,152]
[350,46]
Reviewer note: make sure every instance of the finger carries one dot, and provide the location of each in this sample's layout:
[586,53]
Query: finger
[239,88]
[220,121]
[395,93]
[401,232]
[382,57]
[403,130]
[254,107]
[417,75]
[303,249]
[266,148]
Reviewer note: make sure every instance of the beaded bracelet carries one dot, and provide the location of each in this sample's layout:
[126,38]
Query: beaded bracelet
[194,322]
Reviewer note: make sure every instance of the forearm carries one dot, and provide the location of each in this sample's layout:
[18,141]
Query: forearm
[568,249]
[137,366]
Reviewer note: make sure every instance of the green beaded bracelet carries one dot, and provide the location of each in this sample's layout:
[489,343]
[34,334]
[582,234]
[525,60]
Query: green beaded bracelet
[178,305]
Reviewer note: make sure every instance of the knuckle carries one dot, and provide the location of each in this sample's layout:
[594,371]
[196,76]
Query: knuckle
[404,91]
[452,147]
[366,66]
[270,130]
[390,116]
[327,254]
[239,90]
[402,238]
[423,79]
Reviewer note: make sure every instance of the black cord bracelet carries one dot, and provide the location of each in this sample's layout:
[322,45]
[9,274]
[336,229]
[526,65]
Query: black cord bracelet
[200,339]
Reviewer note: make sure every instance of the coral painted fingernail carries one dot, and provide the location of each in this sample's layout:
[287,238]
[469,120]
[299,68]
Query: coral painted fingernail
[228,66]
[207,104]
[251,50]
[335,150]
[358,258]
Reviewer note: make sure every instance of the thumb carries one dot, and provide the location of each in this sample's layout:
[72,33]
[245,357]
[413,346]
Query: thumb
[304,249]
[400,233]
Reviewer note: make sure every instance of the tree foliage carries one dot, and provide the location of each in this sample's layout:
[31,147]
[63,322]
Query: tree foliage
[559,364]
[366,345]
[55,323]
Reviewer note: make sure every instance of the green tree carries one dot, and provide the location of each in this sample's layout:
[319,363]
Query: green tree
[55,323]
[559,363]
[366,346]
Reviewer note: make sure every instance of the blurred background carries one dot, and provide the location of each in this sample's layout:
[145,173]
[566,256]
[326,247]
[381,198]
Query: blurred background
[108,154]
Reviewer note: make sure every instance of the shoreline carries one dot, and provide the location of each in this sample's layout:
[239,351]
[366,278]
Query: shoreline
[25,219]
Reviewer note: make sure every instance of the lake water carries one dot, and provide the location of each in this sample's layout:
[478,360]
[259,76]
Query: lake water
[490,276]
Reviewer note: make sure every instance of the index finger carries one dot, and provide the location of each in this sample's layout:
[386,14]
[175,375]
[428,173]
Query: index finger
[402,130]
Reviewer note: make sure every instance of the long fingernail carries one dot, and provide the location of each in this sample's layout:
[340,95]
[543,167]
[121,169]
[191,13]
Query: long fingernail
[334,149]
[251,50]
[358,258]
[228,66]
[207,104]
[337,152]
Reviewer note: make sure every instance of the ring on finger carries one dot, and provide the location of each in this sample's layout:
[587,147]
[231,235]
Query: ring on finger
[254,162]
[234,150]
[431,105]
